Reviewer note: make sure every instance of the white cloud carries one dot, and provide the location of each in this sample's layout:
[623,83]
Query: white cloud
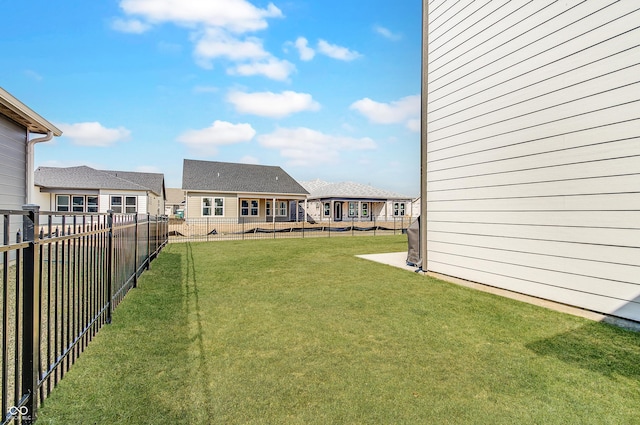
[272,68]
[275,105]
[306,52]
[207,140]
[216,29]
[303,146]
[216,43]
[414,124]
[234,15]
[132,26]
[405,110]
[337,52]
[93,134]
[386,33]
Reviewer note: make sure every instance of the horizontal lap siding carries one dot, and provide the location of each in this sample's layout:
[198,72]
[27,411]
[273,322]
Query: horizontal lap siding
[533,180]
[12,164]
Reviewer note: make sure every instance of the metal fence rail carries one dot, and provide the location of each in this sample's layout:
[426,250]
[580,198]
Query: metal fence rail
[220,229]
[62,276]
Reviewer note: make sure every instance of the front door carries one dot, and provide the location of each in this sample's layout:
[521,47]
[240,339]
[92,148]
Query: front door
[337,211]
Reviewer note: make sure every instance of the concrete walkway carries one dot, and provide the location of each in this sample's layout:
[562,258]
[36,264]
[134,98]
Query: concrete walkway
[399,259]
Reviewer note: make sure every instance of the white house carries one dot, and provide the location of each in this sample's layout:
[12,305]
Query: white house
[84,189]
[532,149]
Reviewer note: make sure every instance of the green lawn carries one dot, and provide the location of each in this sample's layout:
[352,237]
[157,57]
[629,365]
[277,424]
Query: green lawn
[300,331]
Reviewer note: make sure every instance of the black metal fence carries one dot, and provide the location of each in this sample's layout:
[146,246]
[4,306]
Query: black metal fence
[62,276]
[220,229]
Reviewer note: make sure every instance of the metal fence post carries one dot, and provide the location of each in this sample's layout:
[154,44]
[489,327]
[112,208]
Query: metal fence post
[135,252]
[148,241]
[109,288]
[31,312]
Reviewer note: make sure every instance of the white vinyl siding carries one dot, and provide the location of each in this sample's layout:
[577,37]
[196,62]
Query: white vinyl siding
[533,180]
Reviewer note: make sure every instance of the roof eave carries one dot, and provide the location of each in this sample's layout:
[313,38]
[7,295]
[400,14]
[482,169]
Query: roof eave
[24,115]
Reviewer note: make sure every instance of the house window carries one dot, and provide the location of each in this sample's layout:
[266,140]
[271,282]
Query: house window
[327,209]
[206,206]
[116,204]
[78,203]
[281,208]
[365,209]
[398,208]
[268,208]
[92,204]
[249,207]
[213,206]
[218,206]
[62,203]
[129,203]
[353,208]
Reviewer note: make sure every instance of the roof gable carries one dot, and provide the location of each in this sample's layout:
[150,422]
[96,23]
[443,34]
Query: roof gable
[239,178]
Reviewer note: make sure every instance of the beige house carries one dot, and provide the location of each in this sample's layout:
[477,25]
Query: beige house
[84,189]
[531,149]
[347,201]
[235,192]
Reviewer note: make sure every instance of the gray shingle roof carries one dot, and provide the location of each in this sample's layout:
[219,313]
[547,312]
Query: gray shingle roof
[84,177]
[319,189]
[153,181]
[240,178]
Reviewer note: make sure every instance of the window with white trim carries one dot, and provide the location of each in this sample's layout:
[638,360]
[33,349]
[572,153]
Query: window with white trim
[281,208]
[207,204]
[398,208]
[327,209]
[249,207]
[127,204]
[92,204]
[365,209]
[62,203]
[218,207]
[353,209]
[267,208]
[212,206]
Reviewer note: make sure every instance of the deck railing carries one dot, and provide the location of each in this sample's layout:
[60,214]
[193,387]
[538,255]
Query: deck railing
[62,276]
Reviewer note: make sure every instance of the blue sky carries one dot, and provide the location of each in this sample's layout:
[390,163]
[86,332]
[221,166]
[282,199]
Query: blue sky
[325,89]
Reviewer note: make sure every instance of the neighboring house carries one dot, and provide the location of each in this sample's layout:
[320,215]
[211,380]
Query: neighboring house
[174,205]
[225,190]
[84,189]
[532,149]
[17,124]
[354,201]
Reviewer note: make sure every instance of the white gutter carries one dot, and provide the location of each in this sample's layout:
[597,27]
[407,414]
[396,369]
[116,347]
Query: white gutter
[30,158]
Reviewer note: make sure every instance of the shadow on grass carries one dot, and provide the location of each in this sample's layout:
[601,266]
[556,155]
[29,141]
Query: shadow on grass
[598,347]
[201,372]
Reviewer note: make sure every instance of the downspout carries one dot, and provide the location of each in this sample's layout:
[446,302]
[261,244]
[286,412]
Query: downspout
[30,158]
[424,252]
